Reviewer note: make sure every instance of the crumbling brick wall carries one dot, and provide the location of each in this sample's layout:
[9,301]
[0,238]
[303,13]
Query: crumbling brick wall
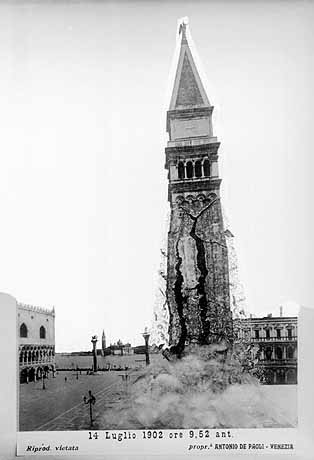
[198,278]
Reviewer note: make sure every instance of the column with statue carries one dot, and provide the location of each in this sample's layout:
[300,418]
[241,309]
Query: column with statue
[94,342]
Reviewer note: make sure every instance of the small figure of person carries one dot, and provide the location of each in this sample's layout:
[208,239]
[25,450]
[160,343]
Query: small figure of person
[65,379]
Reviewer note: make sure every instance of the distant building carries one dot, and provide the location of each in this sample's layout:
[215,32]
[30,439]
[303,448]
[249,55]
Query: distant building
[275,340]
[36,335]
[120,348]
[103,343]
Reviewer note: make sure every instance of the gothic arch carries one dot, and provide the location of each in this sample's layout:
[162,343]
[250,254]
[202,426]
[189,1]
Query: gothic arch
[189,170]
[24,375]
[198,168]
[281,376]
[278,352]
[42,332]
[31,374]
[23,330]
[268,353]
[291,376]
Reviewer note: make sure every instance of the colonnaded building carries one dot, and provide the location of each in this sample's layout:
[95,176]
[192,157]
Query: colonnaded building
[36,335]
[274,340]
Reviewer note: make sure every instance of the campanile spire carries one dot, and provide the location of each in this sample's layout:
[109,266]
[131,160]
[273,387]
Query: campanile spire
[197,266]
[188,90]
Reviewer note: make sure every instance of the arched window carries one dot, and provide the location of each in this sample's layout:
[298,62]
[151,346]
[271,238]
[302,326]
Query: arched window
[291,376]
[189,170]
[23,330]
[181,172]
[198,168]
[206,167]
[42,332]
[267,333]
[281,376]
[268,353]
[269,376]
[278,352]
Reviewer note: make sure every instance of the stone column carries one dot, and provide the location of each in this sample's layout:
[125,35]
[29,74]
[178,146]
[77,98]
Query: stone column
[174,172]
[94,342]
[214,169]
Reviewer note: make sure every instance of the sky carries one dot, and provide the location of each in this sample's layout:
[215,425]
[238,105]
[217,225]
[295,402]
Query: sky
[83,189]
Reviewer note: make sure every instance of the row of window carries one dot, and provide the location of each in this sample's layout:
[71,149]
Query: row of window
[278,353]
[278,334]
[24,331]
[190,169]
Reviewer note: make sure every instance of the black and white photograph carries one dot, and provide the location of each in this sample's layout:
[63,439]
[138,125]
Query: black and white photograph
[157,233]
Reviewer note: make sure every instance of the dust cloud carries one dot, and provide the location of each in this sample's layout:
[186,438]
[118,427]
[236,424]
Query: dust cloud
[196,391]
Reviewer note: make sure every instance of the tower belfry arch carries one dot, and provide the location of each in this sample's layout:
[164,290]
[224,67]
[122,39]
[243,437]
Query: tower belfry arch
[197,257]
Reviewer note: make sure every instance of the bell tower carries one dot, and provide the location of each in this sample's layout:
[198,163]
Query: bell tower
[197,265]
[103,343]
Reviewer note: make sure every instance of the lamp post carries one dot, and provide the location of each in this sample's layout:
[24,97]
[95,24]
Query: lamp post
[91,401]
[94,341]
[146,336]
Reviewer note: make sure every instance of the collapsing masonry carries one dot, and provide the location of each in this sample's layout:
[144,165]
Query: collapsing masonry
[238,302]
[197,277]
[197,290]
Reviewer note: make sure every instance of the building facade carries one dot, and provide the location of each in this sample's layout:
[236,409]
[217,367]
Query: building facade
[274,345]
[197,255]
[120,349]
[36,335]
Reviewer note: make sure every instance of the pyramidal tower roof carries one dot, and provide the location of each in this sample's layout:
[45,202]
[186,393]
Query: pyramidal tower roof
[188,90]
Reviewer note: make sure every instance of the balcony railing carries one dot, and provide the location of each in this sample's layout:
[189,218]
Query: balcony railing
[272,339]
[277,361]
[190,142]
